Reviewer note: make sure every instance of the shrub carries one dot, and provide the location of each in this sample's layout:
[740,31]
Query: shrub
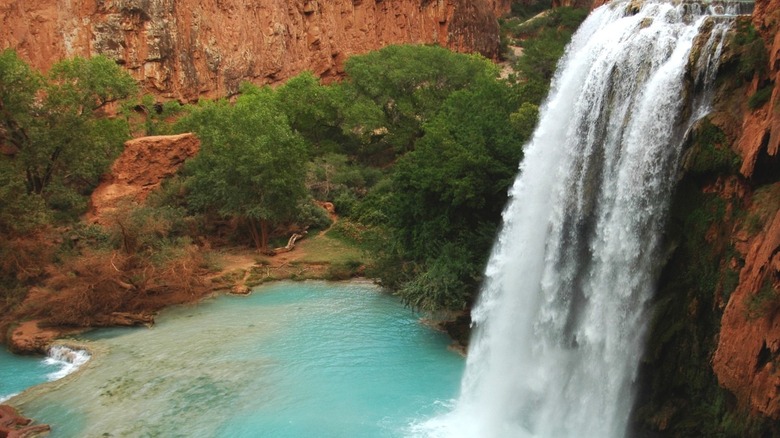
[312,215]
[343,270]
[711,153]
[753,57]
[765,302]
[761,97]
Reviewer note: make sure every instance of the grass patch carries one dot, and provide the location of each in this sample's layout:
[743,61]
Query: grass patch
[328,249]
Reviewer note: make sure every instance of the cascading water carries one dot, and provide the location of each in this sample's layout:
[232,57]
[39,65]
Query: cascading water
[560,321]
[67,359]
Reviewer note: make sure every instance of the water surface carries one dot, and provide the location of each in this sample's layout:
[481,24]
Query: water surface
[291,360]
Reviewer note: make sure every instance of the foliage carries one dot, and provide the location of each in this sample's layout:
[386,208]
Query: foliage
[155,117]
[339,179]
[760,97]
[343,270]
[147,229]
[541,54]
[452,188]
[526,9]
[711,153]
[314,111]
[399,88]
[251,165]
[752,54]
[524,120]
[20,212]
[563,19]
[101,282]
[445,281]
[543,40]
[311,214]
[58,137]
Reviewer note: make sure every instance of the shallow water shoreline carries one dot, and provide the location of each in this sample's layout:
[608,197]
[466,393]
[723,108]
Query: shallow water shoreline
[267,312]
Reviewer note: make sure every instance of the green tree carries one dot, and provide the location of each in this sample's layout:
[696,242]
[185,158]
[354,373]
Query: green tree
[55,129]
[314,111]
[18,86]
[251,166]
[397,89]
[448,194]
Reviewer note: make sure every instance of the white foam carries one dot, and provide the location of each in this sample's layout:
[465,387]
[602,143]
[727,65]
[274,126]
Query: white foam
[4,398]
[66,359]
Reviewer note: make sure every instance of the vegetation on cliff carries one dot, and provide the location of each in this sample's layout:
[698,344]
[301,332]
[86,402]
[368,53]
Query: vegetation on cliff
[715,211]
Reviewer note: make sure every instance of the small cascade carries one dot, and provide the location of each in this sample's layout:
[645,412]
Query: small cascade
[560,322]
[66,359]
[730,8]
[720,8]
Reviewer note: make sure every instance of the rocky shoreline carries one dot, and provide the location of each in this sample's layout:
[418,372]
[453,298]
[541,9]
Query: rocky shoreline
[14,425]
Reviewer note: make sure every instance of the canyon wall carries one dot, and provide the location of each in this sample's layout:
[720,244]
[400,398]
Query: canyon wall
[747,361]
[712,361]
[186,49]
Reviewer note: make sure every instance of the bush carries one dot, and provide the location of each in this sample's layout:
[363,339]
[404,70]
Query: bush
[527,9]
[98,283]
[753,57]
[711,153]
[151,230]
[446,282]
[761,97]
[312,215]
[343,271]
[350,231]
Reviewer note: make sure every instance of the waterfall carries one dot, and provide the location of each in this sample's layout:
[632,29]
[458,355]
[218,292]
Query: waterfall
[560,320]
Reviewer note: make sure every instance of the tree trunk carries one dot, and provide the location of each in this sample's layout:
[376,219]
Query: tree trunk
[264,235]
[254,233]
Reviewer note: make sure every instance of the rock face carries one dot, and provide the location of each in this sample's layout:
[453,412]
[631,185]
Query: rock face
[747,360]
[186,49]
[141,168]
[761,128]
[13,425]
[749,343]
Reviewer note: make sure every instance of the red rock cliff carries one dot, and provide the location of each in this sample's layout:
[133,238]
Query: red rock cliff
[747,361]
[185,49]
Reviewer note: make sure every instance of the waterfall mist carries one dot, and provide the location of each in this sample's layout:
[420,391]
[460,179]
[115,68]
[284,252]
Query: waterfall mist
[560,321]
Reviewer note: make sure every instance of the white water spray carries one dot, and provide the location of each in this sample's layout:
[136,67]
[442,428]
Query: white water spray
[66,359]
[560,321]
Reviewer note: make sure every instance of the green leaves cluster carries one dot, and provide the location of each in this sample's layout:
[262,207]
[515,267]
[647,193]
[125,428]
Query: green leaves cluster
[543,40]
[55,133]
[395,91]
[448,120]
[251,165]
